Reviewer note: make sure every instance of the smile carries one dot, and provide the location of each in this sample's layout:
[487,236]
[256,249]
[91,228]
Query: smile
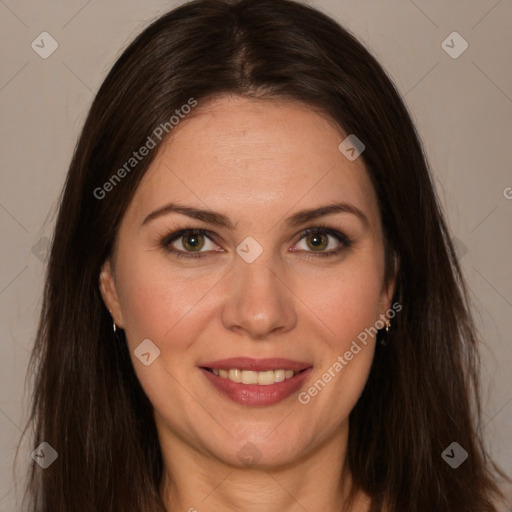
[256,382]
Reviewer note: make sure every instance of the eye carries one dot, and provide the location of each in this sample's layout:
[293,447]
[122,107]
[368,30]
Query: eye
[323,241]
[189,243]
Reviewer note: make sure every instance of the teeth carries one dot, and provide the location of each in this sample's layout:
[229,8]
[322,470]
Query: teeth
[250,377]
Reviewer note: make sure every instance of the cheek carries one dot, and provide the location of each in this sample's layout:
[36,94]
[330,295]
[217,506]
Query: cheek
[170,308]
[349,308]
[348,300]
[158,300]
[349,303]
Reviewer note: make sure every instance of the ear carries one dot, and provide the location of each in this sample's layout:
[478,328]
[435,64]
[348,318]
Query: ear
[388,289]
[109,293]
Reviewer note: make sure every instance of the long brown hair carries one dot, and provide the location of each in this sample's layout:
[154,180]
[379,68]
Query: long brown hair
[422,393]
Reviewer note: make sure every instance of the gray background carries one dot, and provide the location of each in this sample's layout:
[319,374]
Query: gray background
[462,107]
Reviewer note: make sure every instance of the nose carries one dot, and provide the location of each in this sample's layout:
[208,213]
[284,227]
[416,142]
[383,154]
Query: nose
[259,302]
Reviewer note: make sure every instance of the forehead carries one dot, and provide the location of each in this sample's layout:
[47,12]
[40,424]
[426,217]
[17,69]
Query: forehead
[245,156]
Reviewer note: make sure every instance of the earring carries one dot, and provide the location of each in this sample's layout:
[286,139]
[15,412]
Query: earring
[114,326]
[383,340]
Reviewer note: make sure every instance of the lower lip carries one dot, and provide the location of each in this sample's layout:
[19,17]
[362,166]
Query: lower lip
[254,394]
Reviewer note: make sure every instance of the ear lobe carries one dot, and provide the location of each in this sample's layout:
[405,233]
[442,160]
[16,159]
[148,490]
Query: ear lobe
[109,293]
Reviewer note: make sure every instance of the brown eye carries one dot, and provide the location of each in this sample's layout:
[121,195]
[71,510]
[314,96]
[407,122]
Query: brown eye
[322,241]
[190,243]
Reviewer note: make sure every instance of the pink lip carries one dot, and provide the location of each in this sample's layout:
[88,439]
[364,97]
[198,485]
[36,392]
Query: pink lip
[254,394]
[256,365]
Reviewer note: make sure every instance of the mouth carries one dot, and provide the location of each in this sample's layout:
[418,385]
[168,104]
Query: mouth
[254,382]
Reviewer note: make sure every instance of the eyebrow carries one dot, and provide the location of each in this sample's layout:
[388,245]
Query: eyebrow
[221,220]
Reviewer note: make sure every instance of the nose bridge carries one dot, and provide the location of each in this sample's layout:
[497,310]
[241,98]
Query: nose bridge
[258,303]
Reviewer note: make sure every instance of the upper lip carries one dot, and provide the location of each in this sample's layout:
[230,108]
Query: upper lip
[256,365]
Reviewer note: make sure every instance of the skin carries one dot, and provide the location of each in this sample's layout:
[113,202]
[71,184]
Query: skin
[257,162]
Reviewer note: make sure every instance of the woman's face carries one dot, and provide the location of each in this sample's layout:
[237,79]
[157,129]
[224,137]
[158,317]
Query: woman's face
[250,283]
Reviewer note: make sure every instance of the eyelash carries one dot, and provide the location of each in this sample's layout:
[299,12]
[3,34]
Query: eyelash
[165,241]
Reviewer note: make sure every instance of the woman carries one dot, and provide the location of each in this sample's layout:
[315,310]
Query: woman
[252,300]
